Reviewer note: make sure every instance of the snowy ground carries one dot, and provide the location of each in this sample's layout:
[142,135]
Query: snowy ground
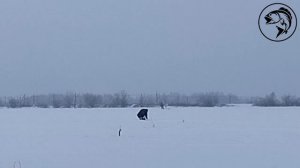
[219,137]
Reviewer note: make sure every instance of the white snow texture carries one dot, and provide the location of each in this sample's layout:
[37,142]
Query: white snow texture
[221,137]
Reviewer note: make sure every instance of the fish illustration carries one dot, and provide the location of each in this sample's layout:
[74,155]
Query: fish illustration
[282,18]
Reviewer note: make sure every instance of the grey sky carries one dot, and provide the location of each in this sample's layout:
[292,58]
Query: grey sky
[144,46]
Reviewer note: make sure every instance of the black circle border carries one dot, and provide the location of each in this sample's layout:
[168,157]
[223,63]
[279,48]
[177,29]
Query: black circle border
[260,26]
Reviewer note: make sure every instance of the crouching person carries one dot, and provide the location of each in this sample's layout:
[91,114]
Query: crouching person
[143,114]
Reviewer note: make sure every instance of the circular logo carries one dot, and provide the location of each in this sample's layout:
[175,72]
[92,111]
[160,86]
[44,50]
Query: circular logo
[277,22]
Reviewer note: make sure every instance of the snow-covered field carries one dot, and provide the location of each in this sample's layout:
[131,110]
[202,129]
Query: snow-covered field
[221,137]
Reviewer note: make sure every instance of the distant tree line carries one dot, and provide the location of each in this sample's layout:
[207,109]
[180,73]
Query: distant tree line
[272,100]
[119,99]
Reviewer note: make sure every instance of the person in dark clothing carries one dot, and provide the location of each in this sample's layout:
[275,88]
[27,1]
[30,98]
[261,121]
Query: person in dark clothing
[162,106]
[143,114]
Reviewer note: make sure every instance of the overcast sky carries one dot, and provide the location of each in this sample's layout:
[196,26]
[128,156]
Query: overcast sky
[143,46]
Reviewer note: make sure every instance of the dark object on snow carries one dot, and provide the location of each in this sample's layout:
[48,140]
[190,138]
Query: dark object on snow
[162,106]
[143,114]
